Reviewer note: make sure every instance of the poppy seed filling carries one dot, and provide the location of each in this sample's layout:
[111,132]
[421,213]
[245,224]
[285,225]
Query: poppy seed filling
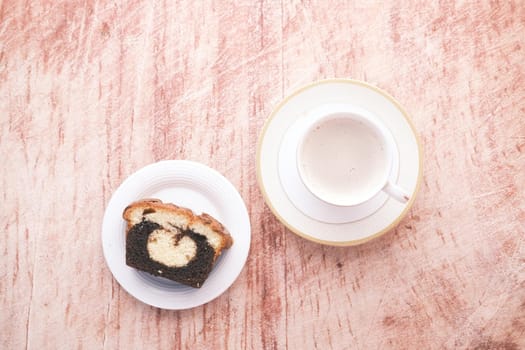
[177,254]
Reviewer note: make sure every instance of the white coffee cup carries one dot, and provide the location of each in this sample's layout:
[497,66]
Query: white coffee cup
[345,156]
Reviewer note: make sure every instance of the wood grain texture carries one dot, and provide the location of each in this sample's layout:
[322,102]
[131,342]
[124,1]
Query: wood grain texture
[91,91]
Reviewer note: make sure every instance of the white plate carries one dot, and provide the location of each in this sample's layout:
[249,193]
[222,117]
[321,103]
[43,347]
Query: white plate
[191,185]
[274,137]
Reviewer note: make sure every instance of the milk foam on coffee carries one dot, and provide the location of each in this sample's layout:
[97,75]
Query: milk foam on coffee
[343,159]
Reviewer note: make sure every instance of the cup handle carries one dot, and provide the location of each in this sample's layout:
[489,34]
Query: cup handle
[396,192]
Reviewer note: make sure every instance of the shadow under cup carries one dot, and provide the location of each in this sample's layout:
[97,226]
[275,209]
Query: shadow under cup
[345,156]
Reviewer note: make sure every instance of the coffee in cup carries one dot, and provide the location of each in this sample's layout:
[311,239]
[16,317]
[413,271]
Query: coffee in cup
[345,156]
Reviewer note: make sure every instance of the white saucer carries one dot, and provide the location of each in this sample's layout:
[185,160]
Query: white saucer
[309,204]
[275,139]
[188,184]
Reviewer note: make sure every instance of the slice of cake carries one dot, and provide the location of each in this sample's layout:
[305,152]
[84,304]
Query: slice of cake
[170,241]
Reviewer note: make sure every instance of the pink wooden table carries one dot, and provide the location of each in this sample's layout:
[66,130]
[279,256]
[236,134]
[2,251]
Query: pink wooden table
[91,91]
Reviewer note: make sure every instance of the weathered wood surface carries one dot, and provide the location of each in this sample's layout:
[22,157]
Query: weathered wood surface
[91,91]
